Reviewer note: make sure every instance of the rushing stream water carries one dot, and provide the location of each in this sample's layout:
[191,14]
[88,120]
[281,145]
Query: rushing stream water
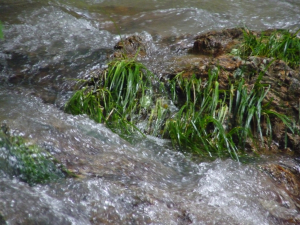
[49,43]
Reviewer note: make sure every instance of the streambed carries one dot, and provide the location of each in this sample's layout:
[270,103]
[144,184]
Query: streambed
[47,45]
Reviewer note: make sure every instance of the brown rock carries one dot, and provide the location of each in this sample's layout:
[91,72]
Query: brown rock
[130,47]
[216,42]
[283,177]
[227,62]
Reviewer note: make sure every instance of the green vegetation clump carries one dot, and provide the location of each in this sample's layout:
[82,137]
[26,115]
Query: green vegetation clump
[198,126]
[1,31]
[208,121]
[28,162]
[219,121]
[118,96]
[280,44]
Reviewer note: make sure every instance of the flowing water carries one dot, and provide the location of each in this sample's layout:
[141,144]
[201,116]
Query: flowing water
[48,44]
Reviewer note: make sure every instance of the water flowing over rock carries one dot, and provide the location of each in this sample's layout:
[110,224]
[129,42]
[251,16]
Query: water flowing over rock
[49,45]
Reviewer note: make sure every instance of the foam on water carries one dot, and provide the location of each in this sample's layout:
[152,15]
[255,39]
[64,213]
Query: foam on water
[120,183]
[123,184]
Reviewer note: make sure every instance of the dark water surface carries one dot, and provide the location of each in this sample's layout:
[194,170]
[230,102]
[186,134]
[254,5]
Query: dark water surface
[47,44]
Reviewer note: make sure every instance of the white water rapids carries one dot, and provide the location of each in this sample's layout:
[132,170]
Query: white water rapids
[49,43]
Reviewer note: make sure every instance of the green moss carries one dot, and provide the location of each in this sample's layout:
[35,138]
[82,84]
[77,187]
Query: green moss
[29,163]
[1,31]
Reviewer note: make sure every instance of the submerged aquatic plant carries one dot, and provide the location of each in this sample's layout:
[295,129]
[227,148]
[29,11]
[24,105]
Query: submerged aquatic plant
[28,162]
[280,44]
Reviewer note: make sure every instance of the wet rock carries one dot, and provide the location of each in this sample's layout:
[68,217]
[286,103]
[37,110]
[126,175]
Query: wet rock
[216,42]
[293,140]
[130,47]
[4,128]
[283,177]
[294,87]
[281,212]
[184,218]
[200,66]
[179,44]
[227,62]
[285,174]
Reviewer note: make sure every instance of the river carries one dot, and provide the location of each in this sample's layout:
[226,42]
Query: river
[47,45]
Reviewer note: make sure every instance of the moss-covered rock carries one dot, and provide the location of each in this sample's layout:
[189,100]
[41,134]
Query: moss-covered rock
[29,163]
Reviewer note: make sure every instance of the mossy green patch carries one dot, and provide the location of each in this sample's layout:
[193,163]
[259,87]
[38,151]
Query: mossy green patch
[29,163]
[1,31]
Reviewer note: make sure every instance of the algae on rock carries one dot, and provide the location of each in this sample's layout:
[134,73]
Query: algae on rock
[29,163]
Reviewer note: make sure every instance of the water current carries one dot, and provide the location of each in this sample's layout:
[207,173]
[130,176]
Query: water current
[49,44]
